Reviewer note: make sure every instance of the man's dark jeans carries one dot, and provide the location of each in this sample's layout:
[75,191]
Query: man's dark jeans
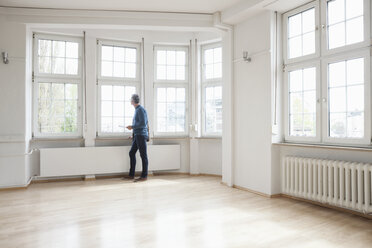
[139,142]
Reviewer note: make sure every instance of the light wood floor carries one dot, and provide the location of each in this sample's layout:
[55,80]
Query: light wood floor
[168,211]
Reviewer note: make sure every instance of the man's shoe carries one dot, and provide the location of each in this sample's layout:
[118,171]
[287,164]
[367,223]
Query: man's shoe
[140,179]
[128,178]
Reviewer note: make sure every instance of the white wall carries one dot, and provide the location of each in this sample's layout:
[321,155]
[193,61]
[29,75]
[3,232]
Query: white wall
[252,104]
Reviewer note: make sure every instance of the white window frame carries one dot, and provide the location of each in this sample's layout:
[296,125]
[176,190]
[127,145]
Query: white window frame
[56,78]
[366,140]
[324,37]
[172,84]
[208,83]
[303,8]
[118,81]
[318,127]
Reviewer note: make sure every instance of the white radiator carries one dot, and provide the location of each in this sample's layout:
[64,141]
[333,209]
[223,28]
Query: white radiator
[102,160]
[339,183]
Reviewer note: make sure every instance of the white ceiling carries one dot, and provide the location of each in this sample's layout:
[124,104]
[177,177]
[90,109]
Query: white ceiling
[188,6]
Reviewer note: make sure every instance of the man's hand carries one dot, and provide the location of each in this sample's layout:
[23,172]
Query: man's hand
[129,127]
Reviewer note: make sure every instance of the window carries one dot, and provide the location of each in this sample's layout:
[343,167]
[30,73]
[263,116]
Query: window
[212,90]
[171,90]
[345,24]
[118,79]
[301,27]
[57,86]
[334,108]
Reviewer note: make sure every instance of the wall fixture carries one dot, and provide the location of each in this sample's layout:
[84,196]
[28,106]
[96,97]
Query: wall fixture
[246,58]
[5,58]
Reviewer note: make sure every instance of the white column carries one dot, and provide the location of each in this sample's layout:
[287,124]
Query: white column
[227,106]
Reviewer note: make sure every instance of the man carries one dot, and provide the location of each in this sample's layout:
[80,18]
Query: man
[140,137]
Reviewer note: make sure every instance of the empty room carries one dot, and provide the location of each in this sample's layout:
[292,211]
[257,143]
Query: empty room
[185,123]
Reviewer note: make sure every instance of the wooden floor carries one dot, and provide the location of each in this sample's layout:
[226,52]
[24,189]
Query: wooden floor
[168,211]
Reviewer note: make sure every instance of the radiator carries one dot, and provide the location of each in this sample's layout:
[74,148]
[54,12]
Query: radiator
[338,183]
[75,161]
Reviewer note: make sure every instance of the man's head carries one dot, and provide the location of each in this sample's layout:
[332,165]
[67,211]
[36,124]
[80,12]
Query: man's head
[135,100]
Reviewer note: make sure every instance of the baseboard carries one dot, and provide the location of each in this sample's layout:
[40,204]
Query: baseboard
[256,192]
[36,180]
[345,210]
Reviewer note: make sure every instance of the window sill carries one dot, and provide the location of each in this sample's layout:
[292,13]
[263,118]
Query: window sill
[113,138]
[209,137]
[327,146]
[56,139]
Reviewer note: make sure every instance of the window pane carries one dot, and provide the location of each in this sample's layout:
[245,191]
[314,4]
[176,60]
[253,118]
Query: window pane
[71,66]
[129,91]
[106,92]
[161,124]
[162,96]
[296,103]
[161,57]
[106,108]
[45,48]
[106,69]
[130,70]
[106,124]
[58,65]
[180,72]
[71,91]
[58,91]
[337,127]
[294,25]
[171,57]
[44,90]
[129,109]
[208,56]
[309,77]
[209,71]
[337,101]
[296,125]
[336,74]
[118,69]
[354,31]
[336,11]
[295,47]
[171,94]
[209,93]
[107,53]
[354,8]
[309,123]
[118,93]
[72,50]
[217,70]
[45,64]
[180,95]
[171,72]
[119,54]
[355,71]
[118,125]
[162,110]
[181,58]
[336,35]
[59,49]
[161,72]
[118,109]
[295,81]
[355,125]
[308,43]
[217,55]
[308,21]
[131,55]
[309,102]
[355,98]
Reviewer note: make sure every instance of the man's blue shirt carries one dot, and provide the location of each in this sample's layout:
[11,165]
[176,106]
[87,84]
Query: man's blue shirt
[140,121]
